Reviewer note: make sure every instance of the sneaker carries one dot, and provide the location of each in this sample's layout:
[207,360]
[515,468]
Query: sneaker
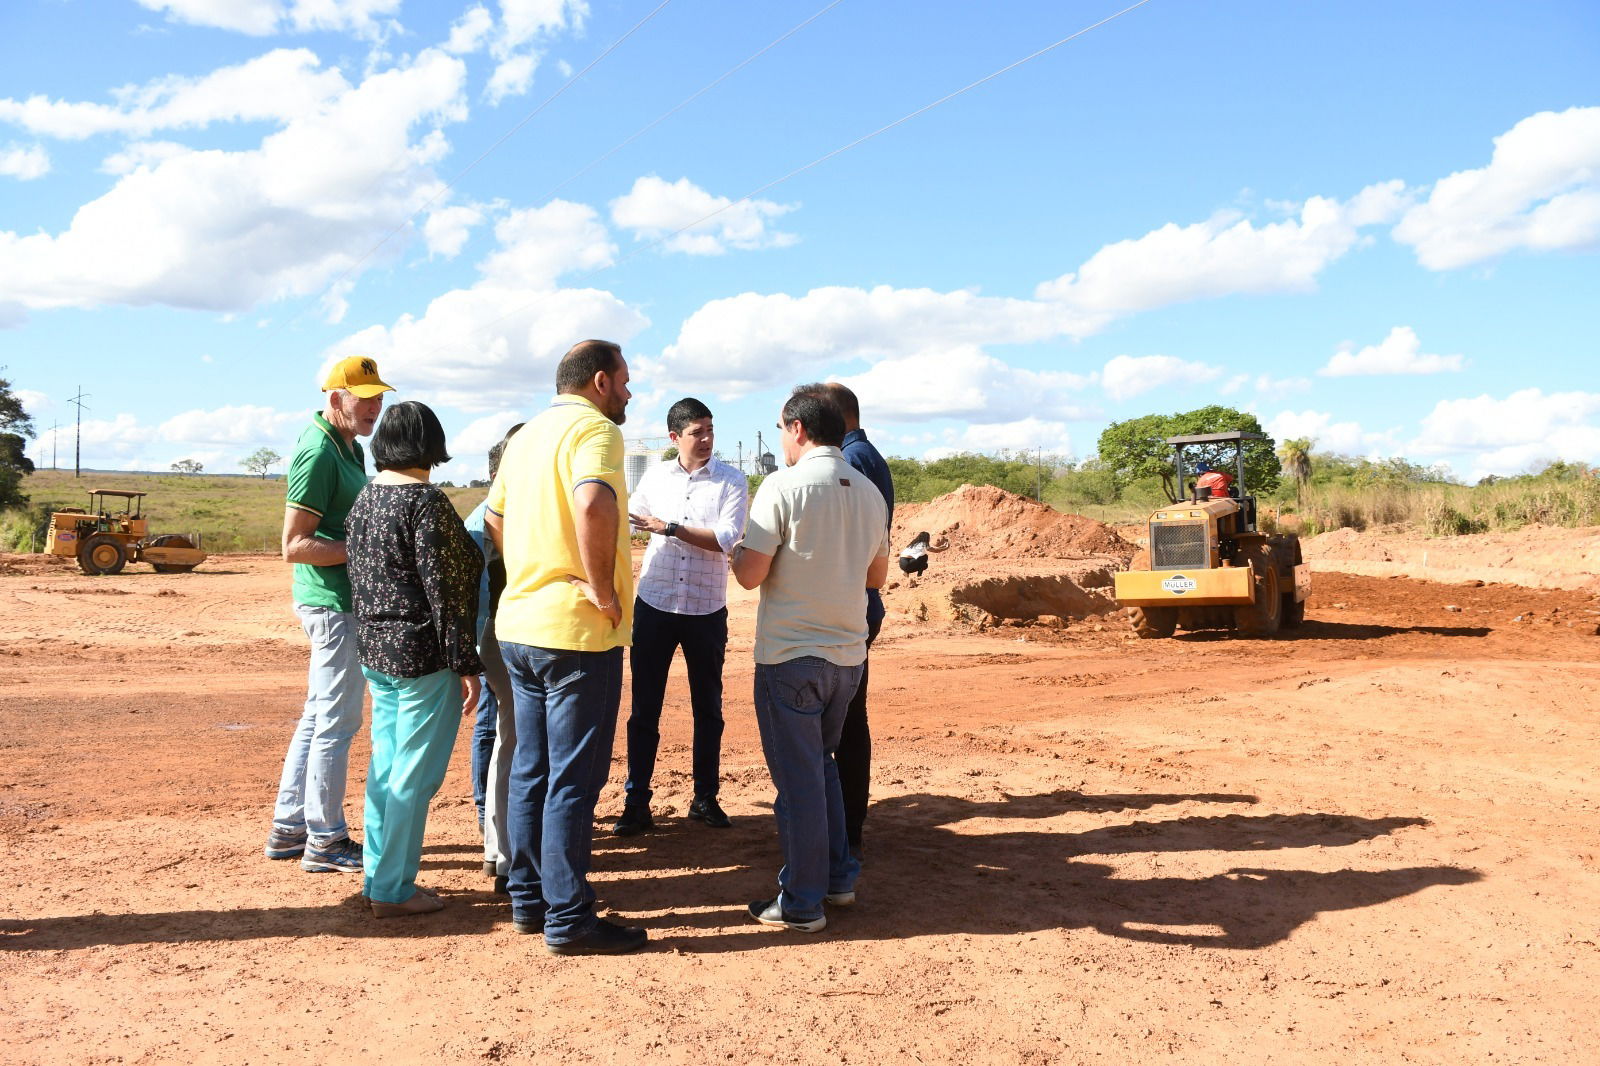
[285,845]
[634,820]
[840,899]
[606,938]
[343,856]
[705,809]
[771,912]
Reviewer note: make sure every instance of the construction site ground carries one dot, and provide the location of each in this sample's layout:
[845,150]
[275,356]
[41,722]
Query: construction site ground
[1372,840]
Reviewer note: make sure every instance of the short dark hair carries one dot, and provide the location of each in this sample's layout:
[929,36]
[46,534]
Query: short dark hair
[499,449]
[583,361]
[685,411]
[813,408]
[845,400]
[409,436]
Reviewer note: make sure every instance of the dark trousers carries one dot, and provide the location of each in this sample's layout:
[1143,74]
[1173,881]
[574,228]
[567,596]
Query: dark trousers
[854,756]
[656,635]
[566,714]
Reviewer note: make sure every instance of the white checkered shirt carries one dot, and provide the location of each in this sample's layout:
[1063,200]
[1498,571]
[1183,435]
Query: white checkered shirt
[676,576]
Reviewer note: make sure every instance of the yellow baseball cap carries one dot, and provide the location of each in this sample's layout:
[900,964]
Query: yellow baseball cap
[358,375]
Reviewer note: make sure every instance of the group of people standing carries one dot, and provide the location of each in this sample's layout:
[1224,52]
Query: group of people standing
[393,592]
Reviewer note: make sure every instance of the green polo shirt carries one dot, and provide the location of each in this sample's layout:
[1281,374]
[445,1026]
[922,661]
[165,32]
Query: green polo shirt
[325,476]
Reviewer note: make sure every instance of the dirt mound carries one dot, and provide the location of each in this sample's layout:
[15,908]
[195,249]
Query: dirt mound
[1534,556]
[984,522]
[32,563]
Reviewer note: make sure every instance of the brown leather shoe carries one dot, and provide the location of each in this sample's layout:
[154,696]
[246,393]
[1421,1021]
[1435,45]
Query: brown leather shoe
[420,902]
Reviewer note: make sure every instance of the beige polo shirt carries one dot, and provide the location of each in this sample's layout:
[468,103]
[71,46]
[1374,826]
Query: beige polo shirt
[823,522]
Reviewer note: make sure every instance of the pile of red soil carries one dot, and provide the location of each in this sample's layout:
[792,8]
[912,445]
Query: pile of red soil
[984,522]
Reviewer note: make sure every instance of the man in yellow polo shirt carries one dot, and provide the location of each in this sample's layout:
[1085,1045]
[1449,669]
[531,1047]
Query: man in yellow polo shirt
[555,512]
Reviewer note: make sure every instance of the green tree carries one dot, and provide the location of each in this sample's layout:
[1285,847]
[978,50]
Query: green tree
[14,421]
[1295,455]
[261,461]
[1137,449]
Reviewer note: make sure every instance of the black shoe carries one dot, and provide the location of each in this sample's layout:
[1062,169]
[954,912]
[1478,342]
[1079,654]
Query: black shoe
[634,820]
[490,869]
[705,809]
[770,912]
[528,925]
[502,885]
[606,938]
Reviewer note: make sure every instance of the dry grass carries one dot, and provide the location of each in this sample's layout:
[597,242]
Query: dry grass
[229,514]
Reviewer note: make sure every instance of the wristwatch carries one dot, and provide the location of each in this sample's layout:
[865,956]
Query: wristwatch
[671,530]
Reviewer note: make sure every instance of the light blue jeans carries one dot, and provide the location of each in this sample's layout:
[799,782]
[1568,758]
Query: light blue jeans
[414,724]
[311,791]
[800,710]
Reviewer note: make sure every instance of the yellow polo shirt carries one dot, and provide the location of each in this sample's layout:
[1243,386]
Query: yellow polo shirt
[561,448]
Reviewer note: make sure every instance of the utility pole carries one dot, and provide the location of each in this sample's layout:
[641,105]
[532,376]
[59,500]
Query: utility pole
[77,448]
[53,437]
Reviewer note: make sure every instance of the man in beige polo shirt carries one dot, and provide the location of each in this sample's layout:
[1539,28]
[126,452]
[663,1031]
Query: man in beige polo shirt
[816,540]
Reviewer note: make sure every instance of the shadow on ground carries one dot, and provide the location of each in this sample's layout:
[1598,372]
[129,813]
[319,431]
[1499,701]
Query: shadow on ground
[936,866]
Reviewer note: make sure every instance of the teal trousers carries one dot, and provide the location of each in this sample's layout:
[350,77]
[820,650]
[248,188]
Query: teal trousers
[414,726]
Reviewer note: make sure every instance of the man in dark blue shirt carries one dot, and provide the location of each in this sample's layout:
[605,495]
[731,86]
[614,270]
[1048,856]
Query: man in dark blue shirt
[854,758]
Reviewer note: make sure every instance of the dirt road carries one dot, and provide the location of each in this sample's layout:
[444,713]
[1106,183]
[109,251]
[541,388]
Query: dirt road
[1375,840]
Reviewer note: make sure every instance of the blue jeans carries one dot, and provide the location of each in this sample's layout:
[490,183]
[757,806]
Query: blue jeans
[800,709]
[656,635]
[483,730]
[566,715]
[311,790]
[414,725]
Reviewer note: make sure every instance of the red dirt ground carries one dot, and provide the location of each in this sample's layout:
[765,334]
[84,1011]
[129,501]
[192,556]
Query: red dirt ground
[1373,840]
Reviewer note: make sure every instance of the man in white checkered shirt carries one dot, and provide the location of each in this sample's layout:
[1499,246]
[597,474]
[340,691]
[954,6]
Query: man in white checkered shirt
[695,507]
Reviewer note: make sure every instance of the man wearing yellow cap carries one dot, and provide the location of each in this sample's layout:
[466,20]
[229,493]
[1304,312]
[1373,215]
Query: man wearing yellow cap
[326,473]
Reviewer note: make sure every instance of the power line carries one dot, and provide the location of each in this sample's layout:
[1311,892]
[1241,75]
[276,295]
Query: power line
[752,194]
[687,101]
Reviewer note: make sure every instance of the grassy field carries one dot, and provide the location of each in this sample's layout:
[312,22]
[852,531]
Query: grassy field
[230,514]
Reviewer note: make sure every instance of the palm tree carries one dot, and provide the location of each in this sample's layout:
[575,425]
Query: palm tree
[1295,455]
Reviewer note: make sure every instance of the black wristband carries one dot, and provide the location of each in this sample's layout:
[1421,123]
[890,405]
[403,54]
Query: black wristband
[672,529]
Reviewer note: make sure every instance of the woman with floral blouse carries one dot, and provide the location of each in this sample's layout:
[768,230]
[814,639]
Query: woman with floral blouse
[414,582]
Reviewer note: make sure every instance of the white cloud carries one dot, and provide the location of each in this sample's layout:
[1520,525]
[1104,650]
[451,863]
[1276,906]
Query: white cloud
[1222,256]
[1513,434]
[654,208]
[1026,437]
[234,424]
[1398,353]
[1540,191]
[742,344]
[218,230]
[538,245]
[24,162]
[965,383]
[447,229]
[511,78]
[32,401]
[525,26]
[495,345]
[1265,386]
[141,154]
[1328,435]
[261,17]
[470,32]
[276,87]
[1127,376]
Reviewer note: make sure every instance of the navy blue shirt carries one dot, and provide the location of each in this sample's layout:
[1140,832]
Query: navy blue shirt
[859,453]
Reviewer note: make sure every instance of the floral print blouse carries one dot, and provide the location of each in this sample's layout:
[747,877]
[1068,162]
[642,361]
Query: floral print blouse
[414,581]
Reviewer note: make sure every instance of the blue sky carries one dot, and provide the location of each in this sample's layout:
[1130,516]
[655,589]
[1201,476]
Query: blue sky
[1372,224]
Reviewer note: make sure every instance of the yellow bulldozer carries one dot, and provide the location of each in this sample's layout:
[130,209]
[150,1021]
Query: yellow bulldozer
[1207,565]
[104,539]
